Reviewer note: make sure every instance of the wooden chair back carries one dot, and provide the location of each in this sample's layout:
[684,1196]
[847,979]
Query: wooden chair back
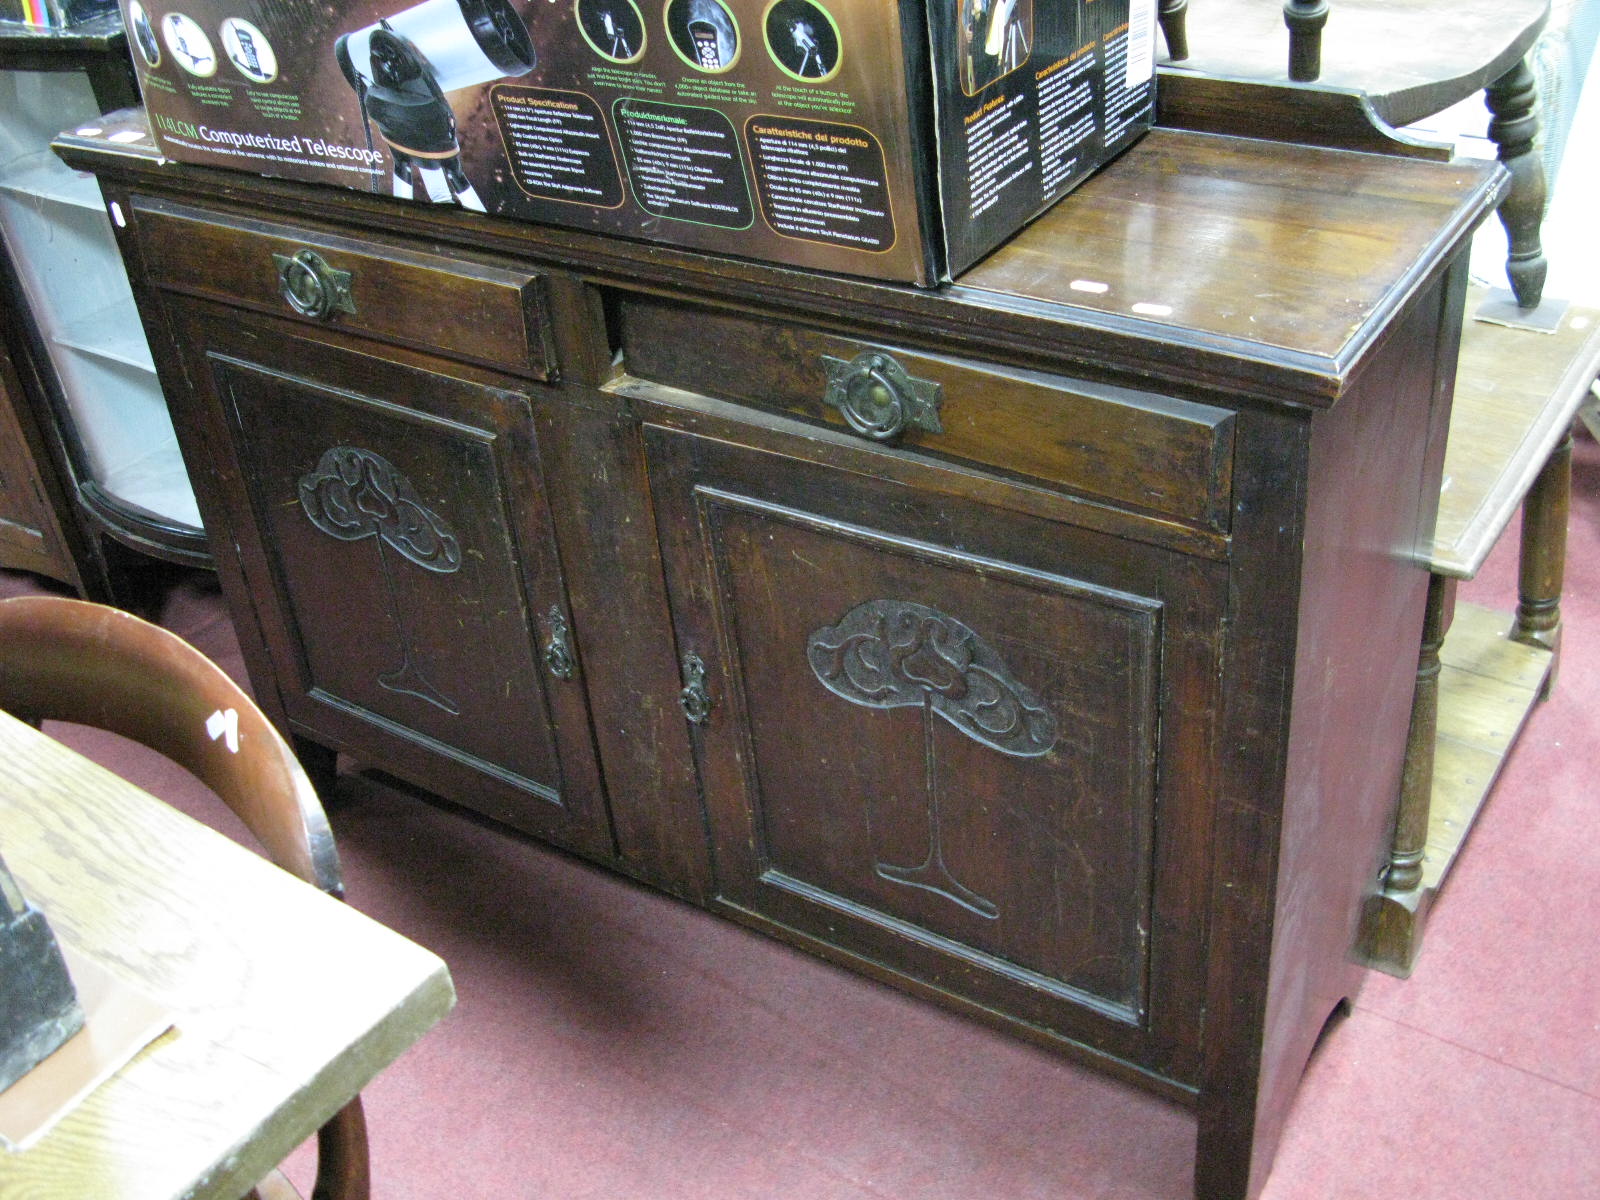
[69,660]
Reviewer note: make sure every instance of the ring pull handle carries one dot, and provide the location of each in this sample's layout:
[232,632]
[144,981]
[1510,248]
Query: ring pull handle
[558,650]
[694,698]
[311,287]
[879,399]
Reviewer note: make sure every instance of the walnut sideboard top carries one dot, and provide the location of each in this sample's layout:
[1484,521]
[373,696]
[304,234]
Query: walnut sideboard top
[1197,254]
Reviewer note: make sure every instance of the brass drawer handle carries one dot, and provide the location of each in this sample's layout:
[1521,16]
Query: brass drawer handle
[313,288]
[879,399]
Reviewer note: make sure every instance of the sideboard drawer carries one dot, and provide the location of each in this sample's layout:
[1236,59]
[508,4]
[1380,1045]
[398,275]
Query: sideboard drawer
[455,306]
[1137,450]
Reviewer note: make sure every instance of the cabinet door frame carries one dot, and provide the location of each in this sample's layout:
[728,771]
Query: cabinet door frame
[477,405]
[32,534]
[692,447]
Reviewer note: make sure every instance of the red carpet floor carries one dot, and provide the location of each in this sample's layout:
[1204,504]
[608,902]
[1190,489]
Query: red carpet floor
[612,1043]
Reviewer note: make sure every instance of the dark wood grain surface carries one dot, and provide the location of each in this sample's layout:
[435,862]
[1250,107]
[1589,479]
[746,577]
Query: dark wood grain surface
[813,798]
[482,312]
[1190,199]
[1136,449]
[98,47]
[396,519]
[1308,255]
[32,535]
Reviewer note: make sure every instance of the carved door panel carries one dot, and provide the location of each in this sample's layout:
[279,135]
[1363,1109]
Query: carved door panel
[962,743]
[395,538]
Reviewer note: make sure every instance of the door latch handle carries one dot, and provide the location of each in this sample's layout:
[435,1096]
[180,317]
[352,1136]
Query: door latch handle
[558,650]
[694,698]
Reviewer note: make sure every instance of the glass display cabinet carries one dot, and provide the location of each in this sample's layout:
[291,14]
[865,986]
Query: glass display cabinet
[84,402]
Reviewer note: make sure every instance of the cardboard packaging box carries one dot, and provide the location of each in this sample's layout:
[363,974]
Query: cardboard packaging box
[54,14]
[829,134]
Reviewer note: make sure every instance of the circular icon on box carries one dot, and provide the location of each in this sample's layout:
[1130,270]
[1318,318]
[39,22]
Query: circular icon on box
[704,34]
[249,51]
[802,39]
[614,29]
[189,45]
[143,36]
[992,40]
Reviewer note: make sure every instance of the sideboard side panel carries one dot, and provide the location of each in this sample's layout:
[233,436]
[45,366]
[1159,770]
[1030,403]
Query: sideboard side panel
[1373,474]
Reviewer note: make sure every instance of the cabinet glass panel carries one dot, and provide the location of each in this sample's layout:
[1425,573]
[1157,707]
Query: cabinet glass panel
[66,260]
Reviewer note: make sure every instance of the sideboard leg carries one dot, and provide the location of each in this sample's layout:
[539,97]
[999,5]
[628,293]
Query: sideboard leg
[1223,1150]
[320,764]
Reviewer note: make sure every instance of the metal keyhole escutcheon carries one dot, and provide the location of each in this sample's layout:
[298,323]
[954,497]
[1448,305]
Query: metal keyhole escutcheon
[694,698]
[558,651]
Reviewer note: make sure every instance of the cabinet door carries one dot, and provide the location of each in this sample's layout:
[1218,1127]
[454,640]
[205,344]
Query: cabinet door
[964,744]
[30,535]
[394,535]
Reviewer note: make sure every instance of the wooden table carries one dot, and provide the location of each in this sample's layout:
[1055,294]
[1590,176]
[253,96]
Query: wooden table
[285,1002]
[1481,672]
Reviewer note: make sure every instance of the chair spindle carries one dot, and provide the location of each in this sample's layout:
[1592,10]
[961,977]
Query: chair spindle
[1305,19]
[1173,16]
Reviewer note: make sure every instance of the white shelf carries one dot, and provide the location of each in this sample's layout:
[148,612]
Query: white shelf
[65,258]
[112,332]
[130,448]
[45,177]
[157,484]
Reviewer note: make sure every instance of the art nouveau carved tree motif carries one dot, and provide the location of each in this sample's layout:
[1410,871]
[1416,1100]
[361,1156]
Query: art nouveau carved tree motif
[899,654]
[354,494]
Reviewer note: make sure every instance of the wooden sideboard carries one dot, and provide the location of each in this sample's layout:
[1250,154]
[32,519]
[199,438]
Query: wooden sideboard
[1042,644]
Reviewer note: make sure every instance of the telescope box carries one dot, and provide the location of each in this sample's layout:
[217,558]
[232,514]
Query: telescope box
[56,14]
[898,141]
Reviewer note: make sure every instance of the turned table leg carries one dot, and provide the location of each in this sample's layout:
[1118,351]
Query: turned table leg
[1416,783]
[1393,924]
[1513,102]
[1542,565]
